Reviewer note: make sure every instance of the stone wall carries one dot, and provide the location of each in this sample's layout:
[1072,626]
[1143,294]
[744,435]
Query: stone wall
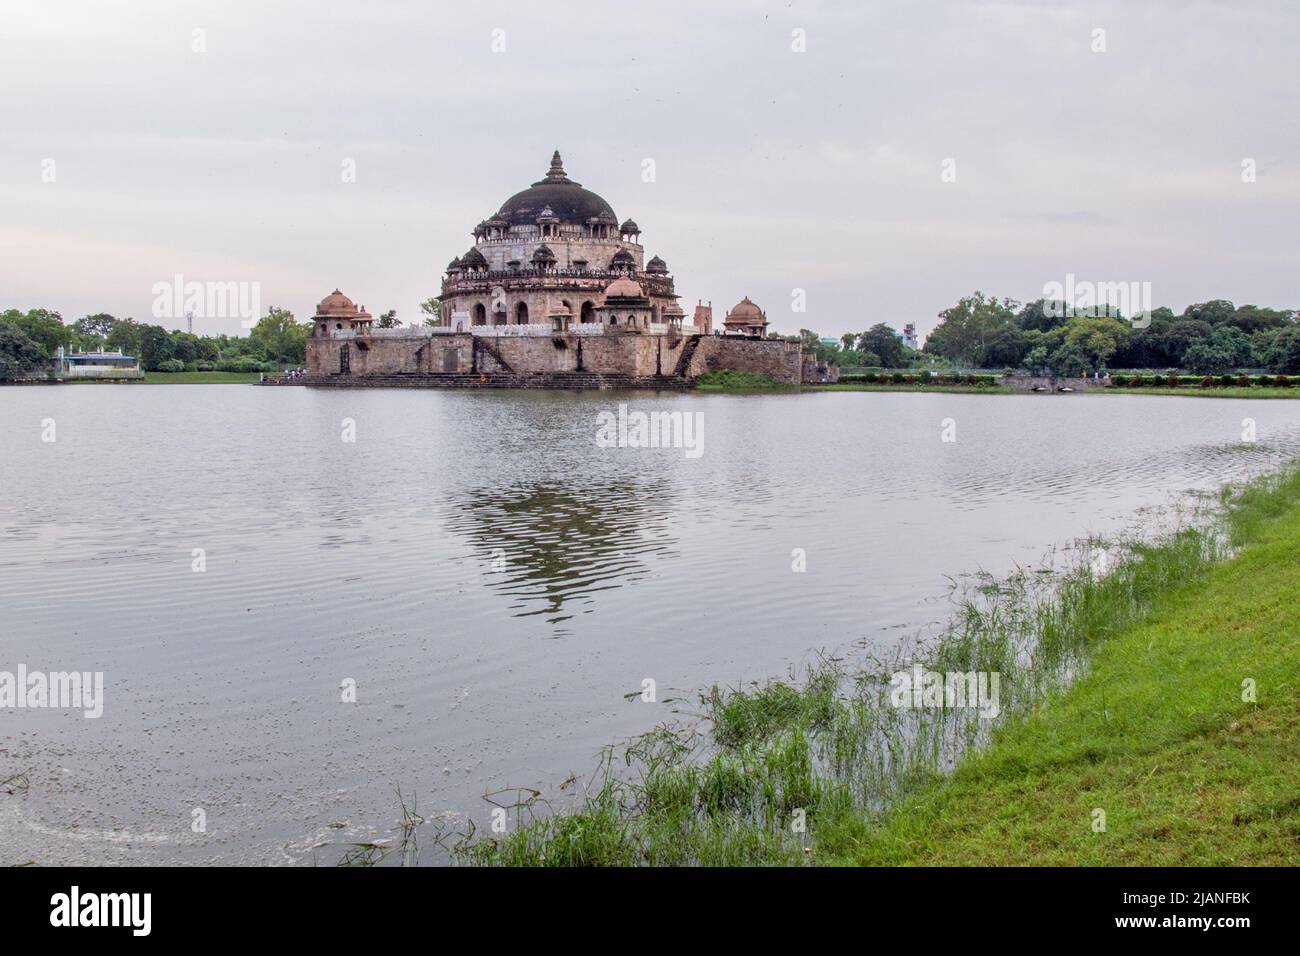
[815,372]
[776,359]
[616,353]
[388,355]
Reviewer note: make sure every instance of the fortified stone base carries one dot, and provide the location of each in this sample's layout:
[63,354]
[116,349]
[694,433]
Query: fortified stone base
[426,359]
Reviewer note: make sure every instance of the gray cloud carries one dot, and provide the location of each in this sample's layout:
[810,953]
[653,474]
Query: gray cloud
[776,170]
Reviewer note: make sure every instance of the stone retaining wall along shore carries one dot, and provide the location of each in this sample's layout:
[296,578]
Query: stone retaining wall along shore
[426,359]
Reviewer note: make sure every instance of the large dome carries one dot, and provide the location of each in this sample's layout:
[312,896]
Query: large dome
[568,201]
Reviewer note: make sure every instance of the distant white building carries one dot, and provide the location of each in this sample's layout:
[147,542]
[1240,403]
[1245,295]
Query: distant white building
[101,365]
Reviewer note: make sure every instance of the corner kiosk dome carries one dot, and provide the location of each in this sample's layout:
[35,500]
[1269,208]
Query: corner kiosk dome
[338,313]
[557,198]
[745,318]
[623,287]
[745,309]
[336,304]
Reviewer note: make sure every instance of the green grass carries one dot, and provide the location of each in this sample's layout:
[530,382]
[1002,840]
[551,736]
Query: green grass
[727,380]
[201,378]
[1230,391]
[850,386]
[820,768]
[1157,735]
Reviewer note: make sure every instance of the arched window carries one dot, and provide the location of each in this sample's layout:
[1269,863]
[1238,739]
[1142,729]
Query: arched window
[613,320]
[521,313]
[588,312]
[480,314]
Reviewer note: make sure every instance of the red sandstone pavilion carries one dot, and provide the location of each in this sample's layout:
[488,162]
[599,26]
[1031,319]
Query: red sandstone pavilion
[554,293]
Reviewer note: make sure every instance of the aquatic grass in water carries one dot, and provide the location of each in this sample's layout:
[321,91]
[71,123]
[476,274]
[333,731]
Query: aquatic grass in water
[792,768]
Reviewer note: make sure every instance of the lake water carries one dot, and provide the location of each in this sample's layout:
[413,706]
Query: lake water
[494,582]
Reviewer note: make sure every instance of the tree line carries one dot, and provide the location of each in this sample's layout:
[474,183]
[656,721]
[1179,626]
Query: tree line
[29,340]
[1208,338]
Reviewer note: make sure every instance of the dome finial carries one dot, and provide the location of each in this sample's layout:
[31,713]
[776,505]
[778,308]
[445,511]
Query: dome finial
[556,172]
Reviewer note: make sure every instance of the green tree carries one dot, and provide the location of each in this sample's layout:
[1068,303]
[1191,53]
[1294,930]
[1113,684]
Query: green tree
[1036,359]
[1205,357]
[1006,349]
[19,354]
[883,342]
[1282,354]
[431,309]
[124,336]
[1214,312]
[95,326]
[42,326]
[388,320]
[186,347]
[280,338]
[1068,361]
[155,347]
[1097,339]
[1251,319]
[1178,337]
[966,329]
[1043,316]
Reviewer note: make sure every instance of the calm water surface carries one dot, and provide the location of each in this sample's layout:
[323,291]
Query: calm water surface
[493,581]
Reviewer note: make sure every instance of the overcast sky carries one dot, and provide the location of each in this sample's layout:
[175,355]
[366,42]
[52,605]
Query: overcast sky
[775,170]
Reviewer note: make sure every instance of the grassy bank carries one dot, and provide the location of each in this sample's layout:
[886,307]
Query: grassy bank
[201,378]
[890,387]
[1231,391]
[728,380]
[180,378]
[1157,736]
[825,768]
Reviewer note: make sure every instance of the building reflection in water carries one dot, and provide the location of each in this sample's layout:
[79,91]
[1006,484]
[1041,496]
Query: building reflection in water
[554,550]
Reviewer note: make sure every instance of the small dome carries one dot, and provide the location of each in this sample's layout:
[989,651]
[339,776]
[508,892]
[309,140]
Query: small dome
[623,287]
[453,266]
[336,303]
[543,254]
[656,266]
[745,309]
[622,260]
[473,260]
[629,226]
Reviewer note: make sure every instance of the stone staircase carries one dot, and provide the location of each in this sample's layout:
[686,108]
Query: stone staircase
[688,352]
[481,345]
[562,380]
